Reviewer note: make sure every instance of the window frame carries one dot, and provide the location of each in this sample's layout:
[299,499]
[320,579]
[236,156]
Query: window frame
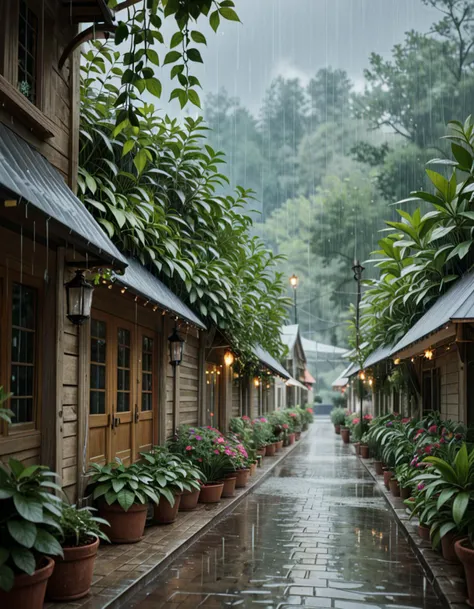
[7,279]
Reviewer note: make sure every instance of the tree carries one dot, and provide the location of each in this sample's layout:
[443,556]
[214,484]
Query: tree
[329,94]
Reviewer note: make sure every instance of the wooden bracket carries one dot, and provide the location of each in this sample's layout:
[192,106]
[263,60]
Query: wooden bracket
[94,32]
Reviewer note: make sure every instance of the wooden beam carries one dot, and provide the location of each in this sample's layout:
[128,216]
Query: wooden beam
[59,358]
[162,377]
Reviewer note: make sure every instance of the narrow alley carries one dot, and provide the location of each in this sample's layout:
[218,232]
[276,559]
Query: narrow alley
[316,533]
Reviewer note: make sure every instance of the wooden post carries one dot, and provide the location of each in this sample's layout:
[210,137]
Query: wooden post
[83,384]
[225,397]
[176,400]
[202,378]
[162,377]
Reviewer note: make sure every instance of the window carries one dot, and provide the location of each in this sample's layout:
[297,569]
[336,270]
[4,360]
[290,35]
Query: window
[27,52]
[123,370]
[23,347]
[147,374]
[98,366]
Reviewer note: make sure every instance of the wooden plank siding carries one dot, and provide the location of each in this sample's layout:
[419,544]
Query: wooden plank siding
[236,398]
[189,380]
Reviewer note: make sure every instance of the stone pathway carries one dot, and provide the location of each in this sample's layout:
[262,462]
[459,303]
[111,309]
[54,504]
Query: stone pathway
[317,533]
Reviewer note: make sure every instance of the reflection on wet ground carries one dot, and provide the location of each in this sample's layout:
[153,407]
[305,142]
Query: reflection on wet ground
[315,534]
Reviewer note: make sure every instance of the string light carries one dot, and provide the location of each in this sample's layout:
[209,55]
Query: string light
[228,358]
[429,354]
[123,290]
[256,382]
[109,286]
[362,375]
[396,361]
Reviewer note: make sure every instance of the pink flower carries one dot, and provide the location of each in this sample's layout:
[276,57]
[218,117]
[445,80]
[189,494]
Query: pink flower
[414,462]
[200,459]
[228,452]
[220,440]
[355,421]
[285,426]
[428,448]
[310,410]
[189,447]
[216,452]
[433,429]
[421,486]
[406,420]
[246,418]
[198,438]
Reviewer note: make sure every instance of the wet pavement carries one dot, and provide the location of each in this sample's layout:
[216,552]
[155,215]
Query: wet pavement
[316,533]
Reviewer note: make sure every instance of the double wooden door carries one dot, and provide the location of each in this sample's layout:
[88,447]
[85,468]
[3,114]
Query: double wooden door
[123,393]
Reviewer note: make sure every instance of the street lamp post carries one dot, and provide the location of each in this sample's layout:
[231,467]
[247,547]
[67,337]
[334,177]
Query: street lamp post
[358,269]
[294,284]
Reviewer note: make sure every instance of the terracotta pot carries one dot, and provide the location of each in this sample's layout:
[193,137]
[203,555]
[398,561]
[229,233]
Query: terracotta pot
[72,575]
[270,450]
[229,486]
[394,487]
[189,501]
[448,543]
[279,445]
[253,469]
[125,527]
[291,438]
[345,435]
[262,451]
[378,468]
[466,555]
[211,493]
[28,590]
[164,512]
[298,436]
[337,429]
[364,451]
[424,532]
[387,474]
[357,448]
[405,492]
[259,461]
[242,478]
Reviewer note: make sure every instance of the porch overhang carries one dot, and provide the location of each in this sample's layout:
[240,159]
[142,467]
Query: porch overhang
[442,335]
[88,11]
[27,178]
[270,362]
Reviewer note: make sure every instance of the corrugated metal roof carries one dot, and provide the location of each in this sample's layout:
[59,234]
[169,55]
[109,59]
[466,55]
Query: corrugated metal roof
[312,346]
[353,369]
[269,361]
[342,381]
[444,309]
[27,174]
[377,356]
[465,311]
[292,382]
[142,282]
[289,334]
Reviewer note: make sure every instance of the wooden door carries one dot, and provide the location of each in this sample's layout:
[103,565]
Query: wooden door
[146,405]
[124,393]
[100,390]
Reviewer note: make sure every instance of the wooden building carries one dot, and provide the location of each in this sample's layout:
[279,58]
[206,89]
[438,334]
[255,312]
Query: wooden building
[295,363]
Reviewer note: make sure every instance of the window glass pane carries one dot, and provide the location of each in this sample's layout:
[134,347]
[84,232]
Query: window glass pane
[22,409]
[97,376]
[27,51]
[123,402]
[23,312]
[123,337]
[146,402]
[23,346]
[98,350]
[98,328]
[97,402]
[123,380]
[123,357]
[147,382]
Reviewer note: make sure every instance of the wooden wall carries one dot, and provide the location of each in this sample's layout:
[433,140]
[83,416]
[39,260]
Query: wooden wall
[189,380]
[449,366]
[236,398]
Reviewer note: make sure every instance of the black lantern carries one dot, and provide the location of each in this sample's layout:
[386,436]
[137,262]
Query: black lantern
[79,299]
[176,348]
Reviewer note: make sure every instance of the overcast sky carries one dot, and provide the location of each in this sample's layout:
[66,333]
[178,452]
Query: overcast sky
[298,37]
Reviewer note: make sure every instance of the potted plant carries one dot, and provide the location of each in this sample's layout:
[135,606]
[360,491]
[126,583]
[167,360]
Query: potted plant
[394,486]
[172,476]
[29,520]
[405,474]
[364,446]
[123,494]
[338,418]
[346,429]
[79,537]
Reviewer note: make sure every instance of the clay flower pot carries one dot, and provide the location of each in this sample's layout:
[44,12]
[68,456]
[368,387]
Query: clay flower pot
[189,501]
[298,436]
[364,451]
[345,434]
[72,575]
[164,512]
[125,527]
[337,429]
[448,549]
[378,468]
[262,451]
[394,487]
[291,438]
[387,474]
[253,469]
[466,555]
[242,478]
[405,492]
[424,532]
[357,448]
[28,590]
[270,450]
[229,486]
[211,493]
[279,445]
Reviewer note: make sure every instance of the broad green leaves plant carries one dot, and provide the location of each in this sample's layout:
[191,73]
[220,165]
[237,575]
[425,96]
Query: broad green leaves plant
[29,517]
[156,191]
[127,486]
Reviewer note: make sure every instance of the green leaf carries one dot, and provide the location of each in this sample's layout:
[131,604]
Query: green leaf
[152,55]
[214,20]
[229,14]
[172,57]
[198,37]
[459,506]
[176,39]
[194,55]
[22,531]
[462,156]
[16,466]
[140,160]
[439,181]
[47,544]
[126,499]
[128,146]
[28,507]
[24,560]
[461,465]
[153,85]
[445,496]
[194,98]
[7,578]
[108,226]
[4,554]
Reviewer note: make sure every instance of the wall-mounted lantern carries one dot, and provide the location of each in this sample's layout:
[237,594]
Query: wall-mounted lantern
[256,382]
[78,299]
[228,358]
[176,348]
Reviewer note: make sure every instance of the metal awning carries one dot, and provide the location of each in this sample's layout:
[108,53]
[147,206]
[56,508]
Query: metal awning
[270,362]
[291,382]
[377,356]
[452,306]
[27,175]
[143,283]
[341,382]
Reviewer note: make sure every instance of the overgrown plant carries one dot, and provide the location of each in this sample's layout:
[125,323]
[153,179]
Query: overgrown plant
[80,526]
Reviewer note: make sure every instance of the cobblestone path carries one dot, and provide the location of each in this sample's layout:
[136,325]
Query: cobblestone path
[317,533]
